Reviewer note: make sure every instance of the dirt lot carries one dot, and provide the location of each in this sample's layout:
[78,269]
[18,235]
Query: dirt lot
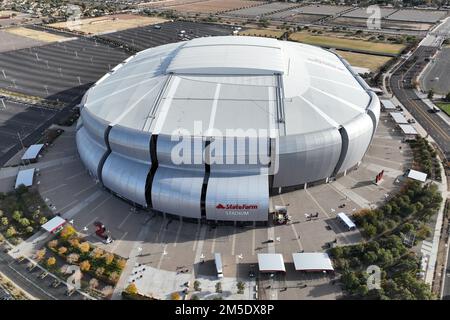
[213,6]
[262,33]
[109,23]
[34,34]
[371,62]
[339,41]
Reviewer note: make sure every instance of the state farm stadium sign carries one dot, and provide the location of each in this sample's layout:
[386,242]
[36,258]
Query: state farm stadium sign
[237,209]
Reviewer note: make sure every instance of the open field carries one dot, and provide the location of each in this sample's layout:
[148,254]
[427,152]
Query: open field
[262,33]
[346,43]
[9,42]
[111,23]
[214,6]
[35,35]
[371,62]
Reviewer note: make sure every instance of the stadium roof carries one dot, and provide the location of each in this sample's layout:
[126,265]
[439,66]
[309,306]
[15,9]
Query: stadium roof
[312,261]
[269,84]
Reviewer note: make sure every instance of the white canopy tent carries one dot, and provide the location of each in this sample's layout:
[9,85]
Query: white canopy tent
[408,129]
[417,175]
[312,261]
[25,177]
[388,104]
[271,262]
[399,118]
[32,152]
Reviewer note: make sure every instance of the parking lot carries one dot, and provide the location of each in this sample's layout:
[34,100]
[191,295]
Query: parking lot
[57,71]
[436,76]
[165,244]
[148,37]
[17,121]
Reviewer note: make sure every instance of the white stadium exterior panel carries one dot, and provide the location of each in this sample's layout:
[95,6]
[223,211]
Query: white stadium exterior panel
[174,128]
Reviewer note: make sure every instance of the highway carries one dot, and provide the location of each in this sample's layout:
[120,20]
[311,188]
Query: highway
[401,87]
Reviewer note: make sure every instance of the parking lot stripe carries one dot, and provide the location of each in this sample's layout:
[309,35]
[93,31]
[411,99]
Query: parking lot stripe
[180,224]
[297,237]
[233,242]
[53,189]
[124,220]
[317,203]
[213,245]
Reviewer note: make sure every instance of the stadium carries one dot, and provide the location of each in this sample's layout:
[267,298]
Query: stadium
[209,128]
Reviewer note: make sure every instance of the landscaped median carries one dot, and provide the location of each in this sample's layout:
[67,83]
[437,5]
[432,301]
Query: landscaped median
[444,106]
[100,270]
[22,212]
[390,232]
[33,100]
[346,42]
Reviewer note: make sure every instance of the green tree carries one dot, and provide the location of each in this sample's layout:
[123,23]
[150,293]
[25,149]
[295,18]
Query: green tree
[24,222]
[17,215]
[430,94]
[4,221]
[11,232]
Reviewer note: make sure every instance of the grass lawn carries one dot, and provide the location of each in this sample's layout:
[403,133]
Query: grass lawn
[335,42]
[444,106]
[262,33]
[371,62]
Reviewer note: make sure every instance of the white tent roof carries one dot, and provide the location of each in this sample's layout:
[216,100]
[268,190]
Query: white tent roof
[312,261]
[388,104]
[271,262]
[346,220]
[53,224]
[25,177]
[399,118]
[32,152]
[407,129]
[417,175]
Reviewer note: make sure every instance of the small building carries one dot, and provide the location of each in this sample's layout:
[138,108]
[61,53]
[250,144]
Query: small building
[416,175]
[312,262]
[54,225]
[25,177]
[349,224]
[32,152]
[271,262]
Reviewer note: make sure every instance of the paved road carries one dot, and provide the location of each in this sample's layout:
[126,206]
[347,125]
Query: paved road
[400,83]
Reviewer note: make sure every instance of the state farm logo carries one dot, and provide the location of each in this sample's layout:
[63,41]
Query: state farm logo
[237,206]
